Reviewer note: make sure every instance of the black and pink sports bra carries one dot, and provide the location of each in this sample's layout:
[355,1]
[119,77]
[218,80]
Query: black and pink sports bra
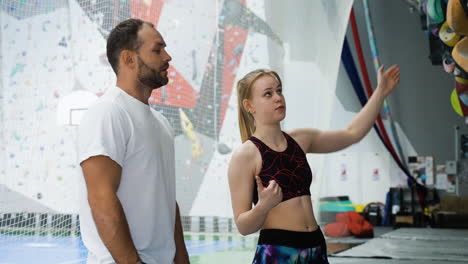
[288,168]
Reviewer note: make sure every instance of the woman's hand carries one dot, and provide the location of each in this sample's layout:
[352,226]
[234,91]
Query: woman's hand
[270,196]
[388,80]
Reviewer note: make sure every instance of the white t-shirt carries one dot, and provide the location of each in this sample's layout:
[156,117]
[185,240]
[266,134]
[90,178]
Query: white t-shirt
[141,141]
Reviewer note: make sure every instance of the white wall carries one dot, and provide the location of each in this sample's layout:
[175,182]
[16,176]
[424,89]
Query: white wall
[47,57]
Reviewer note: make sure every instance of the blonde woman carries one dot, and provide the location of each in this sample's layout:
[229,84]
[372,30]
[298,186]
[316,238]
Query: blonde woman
[270,168]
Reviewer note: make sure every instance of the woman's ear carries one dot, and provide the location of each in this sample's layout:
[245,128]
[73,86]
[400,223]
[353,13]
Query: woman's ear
[247,106]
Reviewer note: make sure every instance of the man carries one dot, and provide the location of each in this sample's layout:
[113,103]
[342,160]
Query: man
[128,211]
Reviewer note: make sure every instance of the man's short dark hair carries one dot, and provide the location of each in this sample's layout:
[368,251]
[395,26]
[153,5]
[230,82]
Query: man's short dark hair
[123,37]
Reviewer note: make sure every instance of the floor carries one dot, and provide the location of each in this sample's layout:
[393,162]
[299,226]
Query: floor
[410,245]
[401,246]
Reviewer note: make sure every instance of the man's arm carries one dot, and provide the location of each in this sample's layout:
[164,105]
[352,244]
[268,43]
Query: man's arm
[102,176]
[181,256]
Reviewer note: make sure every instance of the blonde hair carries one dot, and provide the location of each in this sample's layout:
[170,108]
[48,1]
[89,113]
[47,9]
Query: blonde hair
[244,91]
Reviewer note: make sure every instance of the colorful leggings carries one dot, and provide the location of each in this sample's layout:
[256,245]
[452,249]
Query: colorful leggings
[290,247]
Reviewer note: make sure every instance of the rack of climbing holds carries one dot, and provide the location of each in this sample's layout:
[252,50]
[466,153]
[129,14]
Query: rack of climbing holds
[446,25]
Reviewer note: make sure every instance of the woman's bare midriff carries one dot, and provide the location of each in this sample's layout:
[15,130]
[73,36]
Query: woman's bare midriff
[295,214]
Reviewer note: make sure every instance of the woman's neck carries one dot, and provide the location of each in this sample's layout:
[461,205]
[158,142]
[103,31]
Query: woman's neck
[270,133]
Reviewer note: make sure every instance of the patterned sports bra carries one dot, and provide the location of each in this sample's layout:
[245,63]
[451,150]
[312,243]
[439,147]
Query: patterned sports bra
[288,168]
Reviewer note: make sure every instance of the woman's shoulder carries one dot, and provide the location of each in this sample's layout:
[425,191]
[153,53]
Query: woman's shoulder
[302,136]
[295,134]
[246,152]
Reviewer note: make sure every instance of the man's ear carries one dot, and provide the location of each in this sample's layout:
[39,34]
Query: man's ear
[127,58]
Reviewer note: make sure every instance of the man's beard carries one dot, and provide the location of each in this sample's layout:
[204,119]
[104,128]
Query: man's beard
[150,77]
